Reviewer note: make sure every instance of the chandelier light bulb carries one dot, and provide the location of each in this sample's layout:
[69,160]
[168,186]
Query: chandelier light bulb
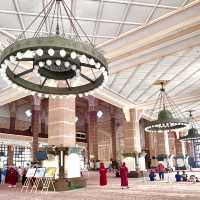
[67,64]
[91,61]
[19,55]
[51,52]
[98,65]
[33,93]
[74,67]
[12,59]
[58,62]
[6,62]
[73,55]
[41,64]
[46,96]
[102,69]
[63,53]
[39,52]
[80,95]
[83,59]
[78,71]
[49,62]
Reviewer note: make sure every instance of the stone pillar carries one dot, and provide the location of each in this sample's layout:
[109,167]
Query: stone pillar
[113,132]
[166,143]
[183,148]
[10,155]
[12,108]
[92,128]
[61,121]
[132,138]
[62,136]
[35,124]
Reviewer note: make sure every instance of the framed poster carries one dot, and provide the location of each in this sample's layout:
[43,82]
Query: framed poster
[31,172]
[50,172]
[40,172]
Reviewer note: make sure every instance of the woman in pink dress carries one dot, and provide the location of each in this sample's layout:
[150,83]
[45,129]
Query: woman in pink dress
[103,176]
[124,176]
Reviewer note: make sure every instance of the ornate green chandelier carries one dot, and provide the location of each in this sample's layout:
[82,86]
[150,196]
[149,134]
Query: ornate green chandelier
[193,131]
[53,63]
[169,117]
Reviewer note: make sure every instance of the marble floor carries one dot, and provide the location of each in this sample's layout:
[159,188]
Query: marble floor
[139,190]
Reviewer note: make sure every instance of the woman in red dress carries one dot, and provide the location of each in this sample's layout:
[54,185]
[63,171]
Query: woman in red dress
[12,177]
[124,176]
[103,176]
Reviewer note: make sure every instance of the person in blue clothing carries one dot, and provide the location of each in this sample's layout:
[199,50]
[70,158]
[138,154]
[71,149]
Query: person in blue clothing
[3,175]
[152,175]
[178,177]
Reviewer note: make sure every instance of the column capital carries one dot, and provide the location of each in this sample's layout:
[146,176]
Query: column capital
[92,103]
[36,100]
[12,107]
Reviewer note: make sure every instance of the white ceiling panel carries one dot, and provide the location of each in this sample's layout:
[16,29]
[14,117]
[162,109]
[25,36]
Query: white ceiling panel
[32,6]
[138,14]
[107,13]
[107,29]
[13,21]
[86,9]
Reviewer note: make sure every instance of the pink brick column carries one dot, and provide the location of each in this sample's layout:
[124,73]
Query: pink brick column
[12,108]
[61,122]
[35,124]
[92,129]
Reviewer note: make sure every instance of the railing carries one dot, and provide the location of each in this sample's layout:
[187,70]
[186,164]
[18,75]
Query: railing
[21,127]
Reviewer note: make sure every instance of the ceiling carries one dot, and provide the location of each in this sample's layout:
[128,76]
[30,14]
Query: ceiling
[144,41]
[102,20]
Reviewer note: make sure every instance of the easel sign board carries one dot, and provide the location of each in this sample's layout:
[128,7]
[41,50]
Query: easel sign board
[50,172]
[40,172]
[31,172]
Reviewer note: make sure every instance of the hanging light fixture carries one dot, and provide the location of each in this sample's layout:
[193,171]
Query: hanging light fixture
[193,131]
[54,63]
[169,117]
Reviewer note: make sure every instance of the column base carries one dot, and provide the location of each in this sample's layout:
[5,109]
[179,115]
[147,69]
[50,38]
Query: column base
[136,174]
[63,184]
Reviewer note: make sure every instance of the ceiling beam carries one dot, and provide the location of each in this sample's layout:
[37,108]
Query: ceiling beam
[114,98]
[168,22]
[153,54]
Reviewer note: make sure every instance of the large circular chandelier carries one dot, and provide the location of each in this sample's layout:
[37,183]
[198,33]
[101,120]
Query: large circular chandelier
[193,130]
[54,63]
[169,117]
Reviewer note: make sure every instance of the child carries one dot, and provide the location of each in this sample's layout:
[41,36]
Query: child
[178,177]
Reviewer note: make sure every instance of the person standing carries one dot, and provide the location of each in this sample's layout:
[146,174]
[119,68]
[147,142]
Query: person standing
[24,176]
[124,176]
[103,174]
[12,177]
[161,171]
